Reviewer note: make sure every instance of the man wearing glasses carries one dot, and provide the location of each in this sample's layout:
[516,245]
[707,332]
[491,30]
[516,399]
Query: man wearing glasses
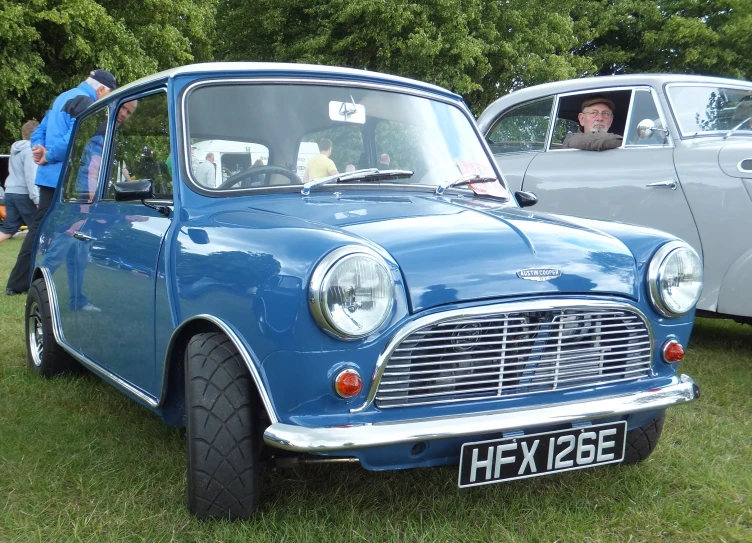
[595,120]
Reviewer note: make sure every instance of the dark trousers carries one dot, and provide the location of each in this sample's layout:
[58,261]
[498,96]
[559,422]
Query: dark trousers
[20,275]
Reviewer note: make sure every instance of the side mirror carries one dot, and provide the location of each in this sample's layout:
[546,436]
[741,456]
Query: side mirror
[127,191]
[526,199]
[646,128]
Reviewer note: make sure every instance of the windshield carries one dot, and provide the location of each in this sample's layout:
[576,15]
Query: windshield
[296,133]
[709,109]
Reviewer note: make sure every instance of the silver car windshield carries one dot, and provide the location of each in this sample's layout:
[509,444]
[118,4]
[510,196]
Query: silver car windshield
[246,136]
[711,109]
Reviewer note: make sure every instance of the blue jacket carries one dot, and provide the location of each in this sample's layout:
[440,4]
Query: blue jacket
[55,129]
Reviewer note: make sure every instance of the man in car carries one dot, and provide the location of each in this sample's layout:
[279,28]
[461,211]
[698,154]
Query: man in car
[597,114]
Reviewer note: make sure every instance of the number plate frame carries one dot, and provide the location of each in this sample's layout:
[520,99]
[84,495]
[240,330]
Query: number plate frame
[515,457]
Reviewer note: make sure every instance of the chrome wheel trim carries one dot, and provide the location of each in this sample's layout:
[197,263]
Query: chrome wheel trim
[36,334]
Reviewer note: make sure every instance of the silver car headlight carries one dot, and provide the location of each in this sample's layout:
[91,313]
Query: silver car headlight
[351,292]
[675,279]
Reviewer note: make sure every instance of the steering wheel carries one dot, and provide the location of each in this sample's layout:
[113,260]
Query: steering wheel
[259,170]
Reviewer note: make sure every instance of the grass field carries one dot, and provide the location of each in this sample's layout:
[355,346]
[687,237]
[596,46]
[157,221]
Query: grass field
[80,462]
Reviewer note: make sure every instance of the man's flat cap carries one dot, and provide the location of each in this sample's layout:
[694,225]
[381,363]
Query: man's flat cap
[587,102]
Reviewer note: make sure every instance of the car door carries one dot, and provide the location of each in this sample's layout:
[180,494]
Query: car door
[63,246]
[518,136]
[125,240]
[636,183]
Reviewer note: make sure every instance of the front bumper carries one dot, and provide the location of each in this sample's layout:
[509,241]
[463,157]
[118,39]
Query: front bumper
[343,438]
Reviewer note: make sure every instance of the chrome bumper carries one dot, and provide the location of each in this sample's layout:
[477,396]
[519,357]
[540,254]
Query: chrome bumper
[342,438]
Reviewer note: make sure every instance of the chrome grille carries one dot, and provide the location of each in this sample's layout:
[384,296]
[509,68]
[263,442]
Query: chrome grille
[521,352]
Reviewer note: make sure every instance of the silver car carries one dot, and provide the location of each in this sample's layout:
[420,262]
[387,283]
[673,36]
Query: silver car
[684,165]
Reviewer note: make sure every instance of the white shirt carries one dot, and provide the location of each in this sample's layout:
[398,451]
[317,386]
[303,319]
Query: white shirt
[206,174]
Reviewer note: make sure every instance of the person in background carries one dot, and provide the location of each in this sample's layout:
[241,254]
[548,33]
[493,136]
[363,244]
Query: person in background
[321,165]
[49,144]
[21,194]
[384,161]
[597,114]
[350,168]
[206,172]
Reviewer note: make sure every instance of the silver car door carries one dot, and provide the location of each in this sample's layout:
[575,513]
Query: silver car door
[635,184]
[517,136]
[718,186]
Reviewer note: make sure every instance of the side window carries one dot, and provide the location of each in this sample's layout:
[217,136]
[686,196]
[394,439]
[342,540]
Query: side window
[142,145]
[86,159]
[347,148]
[523,128]
[561,129]
[398,146]
[643,107]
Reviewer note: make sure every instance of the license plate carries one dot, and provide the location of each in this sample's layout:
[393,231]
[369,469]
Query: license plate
[499,460]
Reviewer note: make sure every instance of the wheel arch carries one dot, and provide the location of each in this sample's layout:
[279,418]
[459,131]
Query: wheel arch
[172,404]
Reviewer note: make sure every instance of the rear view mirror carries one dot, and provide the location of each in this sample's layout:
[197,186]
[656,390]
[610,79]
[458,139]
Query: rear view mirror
[127,191]
[348,112]
[525,199]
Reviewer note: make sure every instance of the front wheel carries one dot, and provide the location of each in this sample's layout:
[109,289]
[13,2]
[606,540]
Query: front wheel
[45,356]
[222,421]
[641,441]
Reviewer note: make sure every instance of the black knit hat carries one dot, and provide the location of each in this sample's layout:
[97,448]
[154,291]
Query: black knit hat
[105,78]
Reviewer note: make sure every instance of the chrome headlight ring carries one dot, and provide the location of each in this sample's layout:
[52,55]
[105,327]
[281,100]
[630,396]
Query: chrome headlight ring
[349,280]
[660,287]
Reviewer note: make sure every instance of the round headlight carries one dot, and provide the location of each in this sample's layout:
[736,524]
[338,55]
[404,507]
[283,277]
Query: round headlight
[675,279]
[351,292]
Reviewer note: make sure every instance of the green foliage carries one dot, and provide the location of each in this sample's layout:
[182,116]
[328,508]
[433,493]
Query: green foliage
[48,46]
[710,37]
[441,41]
[479,49]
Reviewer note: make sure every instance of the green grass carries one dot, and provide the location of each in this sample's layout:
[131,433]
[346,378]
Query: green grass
[80,462]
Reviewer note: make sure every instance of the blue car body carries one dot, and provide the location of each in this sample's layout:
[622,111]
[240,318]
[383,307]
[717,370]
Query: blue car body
[242,266]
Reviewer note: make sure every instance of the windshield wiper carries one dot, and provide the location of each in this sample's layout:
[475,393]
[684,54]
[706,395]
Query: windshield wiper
[467,179]
[367,174]
[737,127]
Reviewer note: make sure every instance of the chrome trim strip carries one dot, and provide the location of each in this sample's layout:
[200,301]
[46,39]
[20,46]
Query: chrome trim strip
[630,110]
[247,358]
[342,438]
[551,123]
[486,310]
[84,360]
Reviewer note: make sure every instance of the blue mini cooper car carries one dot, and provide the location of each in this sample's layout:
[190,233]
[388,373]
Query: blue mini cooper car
[305,263]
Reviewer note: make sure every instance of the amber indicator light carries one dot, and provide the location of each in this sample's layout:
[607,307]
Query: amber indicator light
[348,383]
[673,351]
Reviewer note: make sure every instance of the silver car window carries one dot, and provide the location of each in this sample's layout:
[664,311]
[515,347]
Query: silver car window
[523,128]
[644,108]
[708,109]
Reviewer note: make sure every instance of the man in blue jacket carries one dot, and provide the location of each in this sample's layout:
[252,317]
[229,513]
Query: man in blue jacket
[49,145]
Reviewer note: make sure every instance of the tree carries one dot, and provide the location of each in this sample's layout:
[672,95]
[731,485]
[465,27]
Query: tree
[710,37]
[48,46]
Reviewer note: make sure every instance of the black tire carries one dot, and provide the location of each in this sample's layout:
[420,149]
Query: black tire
[222,419]
[641,441]
[44,355]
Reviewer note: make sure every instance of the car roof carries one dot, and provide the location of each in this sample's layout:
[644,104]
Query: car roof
[275,69]
[594,83]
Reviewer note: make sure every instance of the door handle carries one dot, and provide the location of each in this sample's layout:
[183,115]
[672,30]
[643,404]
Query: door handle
[83,237]
[670,184]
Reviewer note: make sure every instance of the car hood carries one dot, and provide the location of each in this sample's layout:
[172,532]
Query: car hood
[463,249]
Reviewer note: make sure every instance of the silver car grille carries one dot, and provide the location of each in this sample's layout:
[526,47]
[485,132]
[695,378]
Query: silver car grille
[515,353]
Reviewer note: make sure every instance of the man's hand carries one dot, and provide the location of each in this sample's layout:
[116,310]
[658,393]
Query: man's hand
[37,153]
